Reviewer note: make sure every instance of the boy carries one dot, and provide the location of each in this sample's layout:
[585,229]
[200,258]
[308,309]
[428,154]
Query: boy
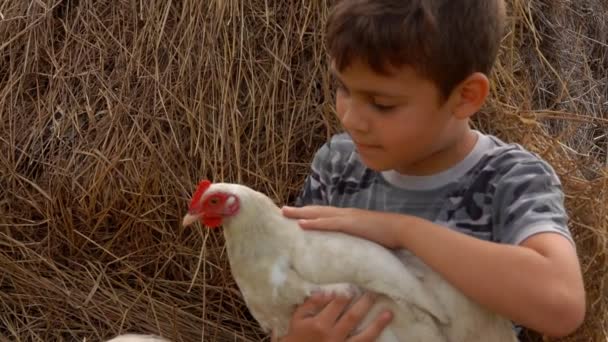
[410,173]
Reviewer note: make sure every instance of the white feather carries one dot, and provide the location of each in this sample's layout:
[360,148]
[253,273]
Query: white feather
[278,274]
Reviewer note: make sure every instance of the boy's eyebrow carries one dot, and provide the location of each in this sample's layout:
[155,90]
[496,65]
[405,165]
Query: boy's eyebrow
[372,93]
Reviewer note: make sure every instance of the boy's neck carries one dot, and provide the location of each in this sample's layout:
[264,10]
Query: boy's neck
[445,158]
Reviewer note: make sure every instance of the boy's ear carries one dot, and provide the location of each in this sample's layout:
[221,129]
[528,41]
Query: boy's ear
[471,95]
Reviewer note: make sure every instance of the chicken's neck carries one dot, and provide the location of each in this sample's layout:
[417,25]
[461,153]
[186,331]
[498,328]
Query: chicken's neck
[258,228]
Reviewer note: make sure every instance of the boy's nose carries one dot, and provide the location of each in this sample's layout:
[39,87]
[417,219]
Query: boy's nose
[354,120]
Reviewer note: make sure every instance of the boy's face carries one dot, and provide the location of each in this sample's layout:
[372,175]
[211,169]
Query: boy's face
[397,121]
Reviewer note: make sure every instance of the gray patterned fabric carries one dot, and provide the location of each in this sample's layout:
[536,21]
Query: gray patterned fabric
[500,192]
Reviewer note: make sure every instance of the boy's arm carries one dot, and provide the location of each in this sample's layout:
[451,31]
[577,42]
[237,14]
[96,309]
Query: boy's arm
[537,284]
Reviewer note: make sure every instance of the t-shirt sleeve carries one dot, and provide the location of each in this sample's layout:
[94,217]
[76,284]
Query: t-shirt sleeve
[315,188]
[529,200]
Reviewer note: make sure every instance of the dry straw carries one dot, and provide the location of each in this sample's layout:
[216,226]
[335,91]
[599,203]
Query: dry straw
[110,111]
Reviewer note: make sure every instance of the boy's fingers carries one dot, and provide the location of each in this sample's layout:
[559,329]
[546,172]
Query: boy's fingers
[325,223]
[308,212]
[334,309]
[312,305]
[351,318]
[374,329]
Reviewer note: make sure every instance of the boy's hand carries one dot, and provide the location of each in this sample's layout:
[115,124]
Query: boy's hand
[380,227]
[323,318]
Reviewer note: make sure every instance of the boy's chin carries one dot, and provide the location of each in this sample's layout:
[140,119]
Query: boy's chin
[380,165]
[376,165]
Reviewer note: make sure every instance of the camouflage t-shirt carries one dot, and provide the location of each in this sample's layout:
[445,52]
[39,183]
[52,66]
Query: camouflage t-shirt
[500,192]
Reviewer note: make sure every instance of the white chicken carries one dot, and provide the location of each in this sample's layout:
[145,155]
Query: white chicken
[276,265]
[137,338]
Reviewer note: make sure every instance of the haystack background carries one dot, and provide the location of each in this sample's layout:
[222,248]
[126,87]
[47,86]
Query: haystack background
[111,111]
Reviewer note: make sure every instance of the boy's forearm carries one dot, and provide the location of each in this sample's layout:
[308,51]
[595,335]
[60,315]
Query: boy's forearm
[514,281]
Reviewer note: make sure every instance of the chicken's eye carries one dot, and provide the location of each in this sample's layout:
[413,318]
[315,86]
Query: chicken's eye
[214,201]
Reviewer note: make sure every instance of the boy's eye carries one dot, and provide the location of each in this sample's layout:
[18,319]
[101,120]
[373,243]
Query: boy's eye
[382,108]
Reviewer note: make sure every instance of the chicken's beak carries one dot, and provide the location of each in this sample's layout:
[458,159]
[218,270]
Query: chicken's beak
[190,219]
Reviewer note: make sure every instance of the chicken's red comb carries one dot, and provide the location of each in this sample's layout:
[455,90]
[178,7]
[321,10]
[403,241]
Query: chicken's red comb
[200,190]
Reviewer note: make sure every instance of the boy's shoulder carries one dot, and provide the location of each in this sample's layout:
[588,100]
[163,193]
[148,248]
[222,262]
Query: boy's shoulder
[506,155]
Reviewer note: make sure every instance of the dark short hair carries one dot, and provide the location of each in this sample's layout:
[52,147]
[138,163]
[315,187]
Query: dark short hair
[443,40]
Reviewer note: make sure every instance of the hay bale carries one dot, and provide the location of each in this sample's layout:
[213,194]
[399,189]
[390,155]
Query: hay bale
[111,111]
